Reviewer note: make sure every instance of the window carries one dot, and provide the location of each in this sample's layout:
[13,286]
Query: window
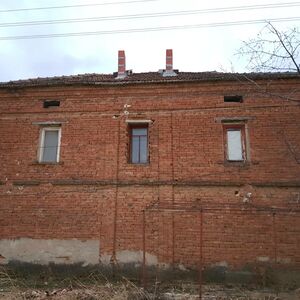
[138,143]
[49,145]
[234,136]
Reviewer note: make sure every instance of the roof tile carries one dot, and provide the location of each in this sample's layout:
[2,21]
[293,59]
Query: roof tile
[147,77]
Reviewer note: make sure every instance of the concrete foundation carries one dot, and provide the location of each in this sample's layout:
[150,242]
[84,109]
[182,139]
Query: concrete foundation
[75,257]
[43,252]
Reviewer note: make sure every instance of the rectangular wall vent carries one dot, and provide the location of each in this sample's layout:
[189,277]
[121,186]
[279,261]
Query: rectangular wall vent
[51,103]
[236,99]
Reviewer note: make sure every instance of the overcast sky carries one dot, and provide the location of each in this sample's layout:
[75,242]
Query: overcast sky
[198,49]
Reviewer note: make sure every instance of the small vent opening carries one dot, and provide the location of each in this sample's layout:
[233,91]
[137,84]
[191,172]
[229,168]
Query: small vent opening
[235,99]
[51,103]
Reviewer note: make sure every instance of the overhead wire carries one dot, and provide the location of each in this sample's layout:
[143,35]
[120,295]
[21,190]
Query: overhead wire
[149,29]
[152,15]
[75,6]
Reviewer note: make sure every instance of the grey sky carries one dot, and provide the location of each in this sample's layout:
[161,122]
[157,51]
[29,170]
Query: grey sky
[200,49]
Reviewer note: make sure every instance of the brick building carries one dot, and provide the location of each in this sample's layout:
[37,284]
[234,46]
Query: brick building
[169,168]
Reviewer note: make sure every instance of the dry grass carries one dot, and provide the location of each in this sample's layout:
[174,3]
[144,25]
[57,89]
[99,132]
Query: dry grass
[97,286]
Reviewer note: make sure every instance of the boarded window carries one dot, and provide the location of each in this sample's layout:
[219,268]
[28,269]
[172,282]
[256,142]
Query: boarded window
[234,145]
[49,145]
[235,142]
[138,144]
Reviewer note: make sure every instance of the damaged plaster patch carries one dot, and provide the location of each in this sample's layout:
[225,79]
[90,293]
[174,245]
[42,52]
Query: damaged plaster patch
[50,251]
[2,258]
[182,268]
[221,264]
[263,258]
[284,260]
[129,257]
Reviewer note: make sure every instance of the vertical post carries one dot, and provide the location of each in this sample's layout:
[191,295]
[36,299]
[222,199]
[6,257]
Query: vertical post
[274,236]
[113,259]
[144,251]
[173,238]
[173,177]
[200,254]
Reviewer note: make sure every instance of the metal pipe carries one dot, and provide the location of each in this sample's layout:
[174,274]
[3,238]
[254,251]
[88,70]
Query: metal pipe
[274,236]
[144,251]
[114,252]
[173,193]
[201,254]
[173,239]
[225,209]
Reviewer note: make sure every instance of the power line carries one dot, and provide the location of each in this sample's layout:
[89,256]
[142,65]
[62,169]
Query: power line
[75,6]
[153,15]
[136,30]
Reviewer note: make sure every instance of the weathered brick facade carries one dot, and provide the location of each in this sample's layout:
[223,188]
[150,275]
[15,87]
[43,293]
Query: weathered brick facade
[89,206]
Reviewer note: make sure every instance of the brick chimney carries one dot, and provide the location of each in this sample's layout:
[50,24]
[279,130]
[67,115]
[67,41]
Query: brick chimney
[169,60]
[121,64]
[169,64]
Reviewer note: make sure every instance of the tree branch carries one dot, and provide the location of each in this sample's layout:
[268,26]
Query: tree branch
[272,50]
[284,46]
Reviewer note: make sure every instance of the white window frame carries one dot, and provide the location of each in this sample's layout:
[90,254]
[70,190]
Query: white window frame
[41,144]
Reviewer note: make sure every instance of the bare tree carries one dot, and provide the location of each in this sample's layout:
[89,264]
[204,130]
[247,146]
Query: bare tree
[273,50]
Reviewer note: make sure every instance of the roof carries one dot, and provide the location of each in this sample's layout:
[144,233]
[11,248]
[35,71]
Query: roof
[148,77]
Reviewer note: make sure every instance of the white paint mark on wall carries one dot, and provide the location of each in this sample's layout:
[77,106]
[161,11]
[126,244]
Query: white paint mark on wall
[50,251]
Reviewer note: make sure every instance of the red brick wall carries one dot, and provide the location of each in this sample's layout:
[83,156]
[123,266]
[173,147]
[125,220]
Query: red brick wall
[94,193]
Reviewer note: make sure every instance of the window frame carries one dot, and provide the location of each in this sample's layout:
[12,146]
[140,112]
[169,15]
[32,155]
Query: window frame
[43,130]
[132,126]
[242,129]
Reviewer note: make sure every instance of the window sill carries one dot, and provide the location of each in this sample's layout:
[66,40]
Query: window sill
[139,164]
[229,163]
[236,163]
[37,163]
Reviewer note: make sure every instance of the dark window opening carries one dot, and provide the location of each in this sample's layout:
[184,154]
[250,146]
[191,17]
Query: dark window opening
[236,99]
[138,144]
[51,103]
